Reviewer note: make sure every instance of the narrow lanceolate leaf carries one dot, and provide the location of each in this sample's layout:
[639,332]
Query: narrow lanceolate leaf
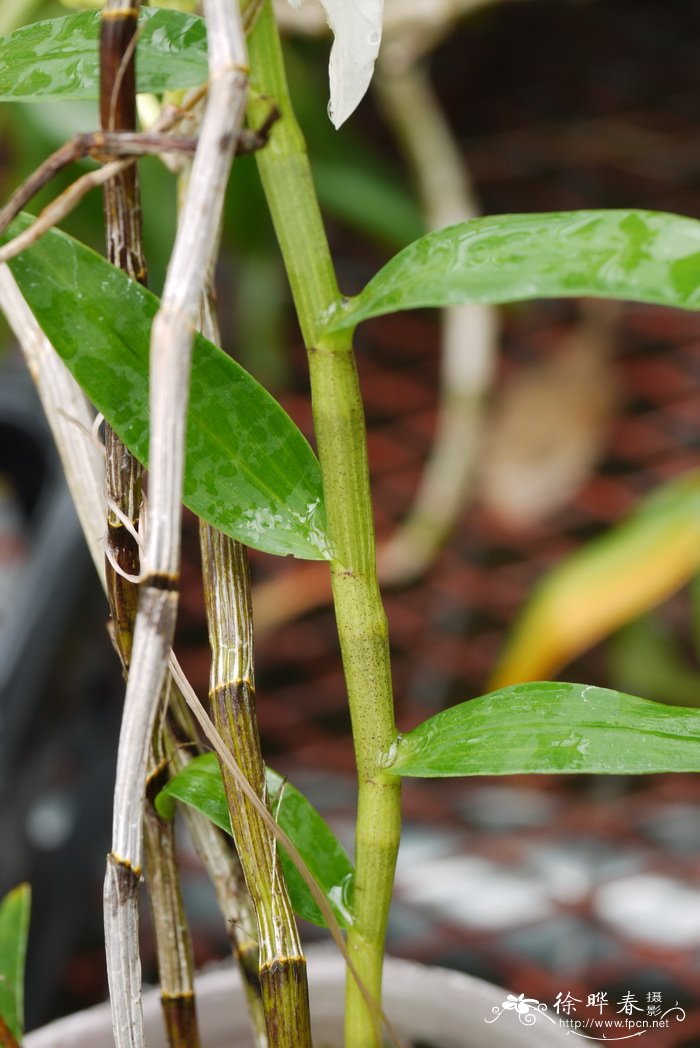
[200,785]
[249,471]
[643,256]
[14,928]
[59,58]
[608,582]
[551,727]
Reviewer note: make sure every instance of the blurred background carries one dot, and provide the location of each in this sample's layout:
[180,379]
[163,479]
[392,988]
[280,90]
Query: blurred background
[566,417]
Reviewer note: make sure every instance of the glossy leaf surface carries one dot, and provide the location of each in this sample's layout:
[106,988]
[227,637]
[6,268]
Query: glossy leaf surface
[59,58]
[14,928]
[201,786]
[643,256]
[552,727]
[608,582]
[249,471]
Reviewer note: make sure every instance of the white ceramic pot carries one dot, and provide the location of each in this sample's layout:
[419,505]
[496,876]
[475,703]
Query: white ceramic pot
[429,1006]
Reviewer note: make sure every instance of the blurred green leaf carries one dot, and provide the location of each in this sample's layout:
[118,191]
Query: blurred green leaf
[14,929]
[609,581]
[249,471]
[201,786]
[59,58]
[694,591]
[353,181]
[643,256]
[366,198]
[552,727]
[647,657]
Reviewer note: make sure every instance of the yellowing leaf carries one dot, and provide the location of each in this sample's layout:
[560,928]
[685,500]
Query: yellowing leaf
[609,582]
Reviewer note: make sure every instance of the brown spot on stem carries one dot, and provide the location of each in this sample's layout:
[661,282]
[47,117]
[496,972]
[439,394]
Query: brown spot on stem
[180,1016]
[242,685]
[126,877]
[161,580]
[125,13]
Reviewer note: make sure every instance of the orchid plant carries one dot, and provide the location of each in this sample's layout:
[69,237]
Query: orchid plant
[212,438]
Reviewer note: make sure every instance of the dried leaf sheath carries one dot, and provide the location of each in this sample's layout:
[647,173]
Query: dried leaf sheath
[277,992]
[173,945]
[122,206]
[232,696]
[242,920]
[171,346]
[118,113]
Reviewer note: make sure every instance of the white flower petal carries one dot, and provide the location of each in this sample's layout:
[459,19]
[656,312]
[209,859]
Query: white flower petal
[357,28]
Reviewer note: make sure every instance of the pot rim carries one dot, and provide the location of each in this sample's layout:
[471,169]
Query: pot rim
[424,1002]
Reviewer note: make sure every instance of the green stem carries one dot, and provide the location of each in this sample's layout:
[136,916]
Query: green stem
[340,433]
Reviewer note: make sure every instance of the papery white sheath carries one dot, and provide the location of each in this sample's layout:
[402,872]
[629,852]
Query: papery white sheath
[357,28]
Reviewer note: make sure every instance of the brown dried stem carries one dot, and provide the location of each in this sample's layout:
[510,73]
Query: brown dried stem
[122,205]
[232,695]
[99,145]
[173,943]
[222,865]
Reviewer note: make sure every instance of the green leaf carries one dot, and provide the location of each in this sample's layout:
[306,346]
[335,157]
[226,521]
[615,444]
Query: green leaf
[644,256]
[201,786]
[14,928]
[552,727]
[249,471]
[59,58]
